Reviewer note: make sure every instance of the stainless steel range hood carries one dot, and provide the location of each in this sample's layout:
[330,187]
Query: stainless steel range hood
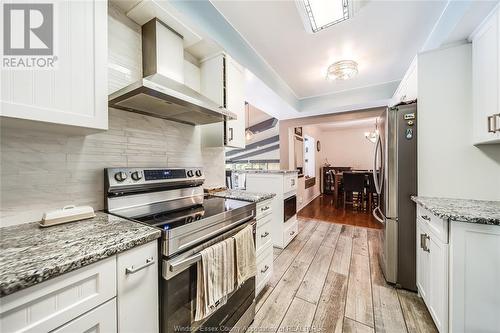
[162,92]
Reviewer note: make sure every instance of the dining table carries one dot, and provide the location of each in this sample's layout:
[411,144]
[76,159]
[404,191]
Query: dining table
[338,181]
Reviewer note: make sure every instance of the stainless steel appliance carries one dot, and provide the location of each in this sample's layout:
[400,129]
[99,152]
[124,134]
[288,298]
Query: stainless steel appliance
[289,207]
[395,175]
[162,92]
[172,200]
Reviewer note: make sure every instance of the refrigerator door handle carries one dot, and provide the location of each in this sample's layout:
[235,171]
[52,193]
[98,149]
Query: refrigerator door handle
[380,218]
[376,179]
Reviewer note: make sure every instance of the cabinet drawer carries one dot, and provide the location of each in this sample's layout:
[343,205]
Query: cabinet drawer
[263,236]
[290,183]
[264,268]
[101,319]
[57,301]
[264,208]
[436,225]
[137,280]
[290,231]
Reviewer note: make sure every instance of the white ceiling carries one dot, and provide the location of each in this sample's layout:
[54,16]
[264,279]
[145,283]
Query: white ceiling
[383,37]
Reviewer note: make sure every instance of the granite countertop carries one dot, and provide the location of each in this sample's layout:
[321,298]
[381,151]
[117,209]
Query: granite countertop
[31,254]
[243,195]
[267,171]
[462,210]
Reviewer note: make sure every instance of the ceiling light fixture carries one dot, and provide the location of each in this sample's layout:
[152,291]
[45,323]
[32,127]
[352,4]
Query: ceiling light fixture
[342,70]
[318,15]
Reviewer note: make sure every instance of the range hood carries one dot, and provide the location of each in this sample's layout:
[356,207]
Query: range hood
[162,93]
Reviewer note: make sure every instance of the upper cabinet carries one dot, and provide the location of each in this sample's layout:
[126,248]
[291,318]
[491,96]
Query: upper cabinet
[486,80]
[74,90]
[222,80]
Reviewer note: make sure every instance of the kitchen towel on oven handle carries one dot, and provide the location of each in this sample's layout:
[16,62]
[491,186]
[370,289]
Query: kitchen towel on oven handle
[245,255]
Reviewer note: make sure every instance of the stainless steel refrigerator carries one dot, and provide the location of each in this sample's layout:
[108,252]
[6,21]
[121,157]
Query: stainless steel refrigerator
[395,176]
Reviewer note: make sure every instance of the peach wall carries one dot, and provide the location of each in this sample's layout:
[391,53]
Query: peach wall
[348,147]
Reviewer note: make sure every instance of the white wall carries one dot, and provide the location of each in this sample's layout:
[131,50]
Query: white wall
[348,147]
[42,170]
[448,164]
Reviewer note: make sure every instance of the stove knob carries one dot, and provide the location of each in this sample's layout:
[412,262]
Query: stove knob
[198,173]
[136,175]
[190,173]
[120,176]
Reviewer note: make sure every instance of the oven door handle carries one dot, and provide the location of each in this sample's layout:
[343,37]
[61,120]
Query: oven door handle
[186,262]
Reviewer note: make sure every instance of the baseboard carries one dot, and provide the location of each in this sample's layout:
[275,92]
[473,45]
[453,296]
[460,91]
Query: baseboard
[308,202]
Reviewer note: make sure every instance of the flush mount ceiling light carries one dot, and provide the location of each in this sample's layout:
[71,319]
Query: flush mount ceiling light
[318,15]
[342,70]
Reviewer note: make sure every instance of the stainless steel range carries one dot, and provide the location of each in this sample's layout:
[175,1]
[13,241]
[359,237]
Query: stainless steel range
[172,199]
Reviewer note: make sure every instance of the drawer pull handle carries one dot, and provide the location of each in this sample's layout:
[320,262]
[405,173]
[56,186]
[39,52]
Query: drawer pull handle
[264,269]
[263,209]
[132,270]
[425,217]
[292,233]
[264,235]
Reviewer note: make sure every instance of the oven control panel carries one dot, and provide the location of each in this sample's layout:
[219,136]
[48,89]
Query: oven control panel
[138,176]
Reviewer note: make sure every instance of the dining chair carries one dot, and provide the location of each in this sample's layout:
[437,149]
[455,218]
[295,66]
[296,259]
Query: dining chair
[354,183]
[371,192]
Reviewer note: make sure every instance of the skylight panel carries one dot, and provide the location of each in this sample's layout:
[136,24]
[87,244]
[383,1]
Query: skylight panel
[321,14]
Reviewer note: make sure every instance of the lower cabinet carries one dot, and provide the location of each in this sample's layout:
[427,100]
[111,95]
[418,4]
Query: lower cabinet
[263,245]
[458,272]
[116,294]
[137,289]
[474,277]
[432,267]
[101,319]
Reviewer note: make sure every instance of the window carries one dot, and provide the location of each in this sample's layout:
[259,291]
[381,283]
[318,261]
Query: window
[309,157]
[321,14]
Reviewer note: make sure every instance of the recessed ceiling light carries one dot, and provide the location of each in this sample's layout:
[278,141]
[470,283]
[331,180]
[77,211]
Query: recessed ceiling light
[342,70]
[321,14]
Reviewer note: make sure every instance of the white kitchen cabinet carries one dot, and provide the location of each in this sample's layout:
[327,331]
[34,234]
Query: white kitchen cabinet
[137,285]
[100,297]
[282,232]
[486,80]
[263,244]
[474,277]
[101,319]
[75,91]
[422,262]
[222,80]
[59,300]
[432,266]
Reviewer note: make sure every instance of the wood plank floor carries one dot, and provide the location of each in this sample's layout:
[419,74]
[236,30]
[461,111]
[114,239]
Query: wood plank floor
[322,209]
[328,279]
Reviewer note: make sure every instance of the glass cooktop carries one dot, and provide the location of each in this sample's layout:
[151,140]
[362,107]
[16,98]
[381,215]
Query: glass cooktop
[155,215]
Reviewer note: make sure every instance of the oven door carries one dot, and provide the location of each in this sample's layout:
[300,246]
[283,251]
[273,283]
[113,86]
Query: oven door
[289,207]
[178,295]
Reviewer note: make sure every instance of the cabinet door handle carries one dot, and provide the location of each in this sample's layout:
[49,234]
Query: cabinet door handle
[491,124]
[425,217]
[264,235]
[263,209]
[132,269]
[292,233]
[424,244]
[231,134]
[496,117]
[264,269]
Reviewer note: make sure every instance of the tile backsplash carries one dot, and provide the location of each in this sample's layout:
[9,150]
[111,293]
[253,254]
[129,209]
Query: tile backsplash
[43,170]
